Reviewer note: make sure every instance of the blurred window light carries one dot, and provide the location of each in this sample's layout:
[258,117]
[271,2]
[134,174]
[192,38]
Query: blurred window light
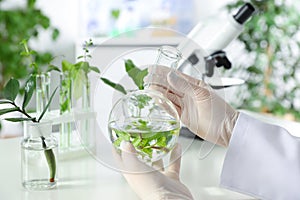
[108,18]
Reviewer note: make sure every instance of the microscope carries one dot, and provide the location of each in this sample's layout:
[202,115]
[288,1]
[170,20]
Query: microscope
[203,53]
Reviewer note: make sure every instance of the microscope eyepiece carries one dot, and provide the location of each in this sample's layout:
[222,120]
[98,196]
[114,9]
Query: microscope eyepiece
[244,13]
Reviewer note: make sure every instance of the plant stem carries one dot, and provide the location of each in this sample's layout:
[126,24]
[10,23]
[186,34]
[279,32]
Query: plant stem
[24,112]
[50,157]
[268,93]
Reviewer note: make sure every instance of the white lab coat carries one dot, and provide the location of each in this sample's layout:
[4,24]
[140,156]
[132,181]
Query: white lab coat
[263,160]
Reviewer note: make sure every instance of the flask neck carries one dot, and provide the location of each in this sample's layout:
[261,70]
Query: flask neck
[168,56]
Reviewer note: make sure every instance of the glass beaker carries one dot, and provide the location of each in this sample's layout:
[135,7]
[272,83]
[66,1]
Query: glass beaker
[146,118]
[39,150]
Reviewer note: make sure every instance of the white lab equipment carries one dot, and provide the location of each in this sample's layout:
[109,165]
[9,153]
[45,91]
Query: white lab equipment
[212,43]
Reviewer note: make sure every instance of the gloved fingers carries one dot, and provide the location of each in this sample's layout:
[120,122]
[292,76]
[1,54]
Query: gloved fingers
[180,84]
[157,75]
[163,71]
[169,79]
[176,100]
[173,169]
[126,160]
[199,92]
[156,79]
[117,157]
[159,82]
[131,163]
[158,165]
[159,70]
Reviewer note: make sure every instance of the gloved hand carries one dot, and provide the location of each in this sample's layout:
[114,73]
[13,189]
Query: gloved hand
[204,112]
[151,184]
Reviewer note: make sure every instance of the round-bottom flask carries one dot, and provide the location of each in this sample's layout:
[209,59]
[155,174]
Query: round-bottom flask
[146,118]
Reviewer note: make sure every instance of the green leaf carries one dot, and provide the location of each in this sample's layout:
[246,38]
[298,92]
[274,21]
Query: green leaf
[24,53]
[147,151]
[29,89]
[136,74]
[53,68]
[117,142]
[66,66]
[83,66]
[32,52]
[47,106]
[5,102]
[162,141]
[95,69]
[55,34]
[143,100]
[115,13]
[116,86]
[123,135]
[129,65]
[24,42]
[144,142]
[79,80]
[21,119]
[64,106]
[11,89]
[254,70]
[136,141]
[8,110]
[31,3]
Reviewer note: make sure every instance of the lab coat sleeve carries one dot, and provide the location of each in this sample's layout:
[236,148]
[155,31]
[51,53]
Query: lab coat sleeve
[262,160]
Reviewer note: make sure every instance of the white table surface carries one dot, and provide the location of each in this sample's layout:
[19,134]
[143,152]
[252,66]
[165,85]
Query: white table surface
[85,178]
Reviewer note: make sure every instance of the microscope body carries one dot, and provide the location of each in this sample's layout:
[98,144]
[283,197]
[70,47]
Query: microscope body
[205,44]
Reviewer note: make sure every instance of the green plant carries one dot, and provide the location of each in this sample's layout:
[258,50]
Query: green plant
[272,45]
[137,75]
[10,93]
[76,74]
[147,140]
[15,25]
[39,75]
[144,138]
[33,61]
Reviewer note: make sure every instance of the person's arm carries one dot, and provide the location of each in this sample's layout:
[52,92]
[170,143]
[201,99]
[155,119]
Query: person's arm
[262,160]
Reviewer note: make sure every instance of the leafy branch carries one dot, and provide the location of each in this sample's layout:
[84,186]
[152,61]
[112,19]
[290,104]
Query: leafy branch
[148,142]
[33,64]
[18,23]
[136,74]
[78,72]
[10,93]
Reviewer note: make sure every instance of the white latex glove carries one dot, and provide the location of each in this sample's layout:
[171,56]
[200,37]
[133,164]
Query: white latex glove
[201,110]
[151,184]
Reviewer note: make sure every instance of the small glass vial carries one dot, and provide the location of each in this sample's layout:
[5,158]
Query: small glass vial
[39,151]
[42,91]
[65,98]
